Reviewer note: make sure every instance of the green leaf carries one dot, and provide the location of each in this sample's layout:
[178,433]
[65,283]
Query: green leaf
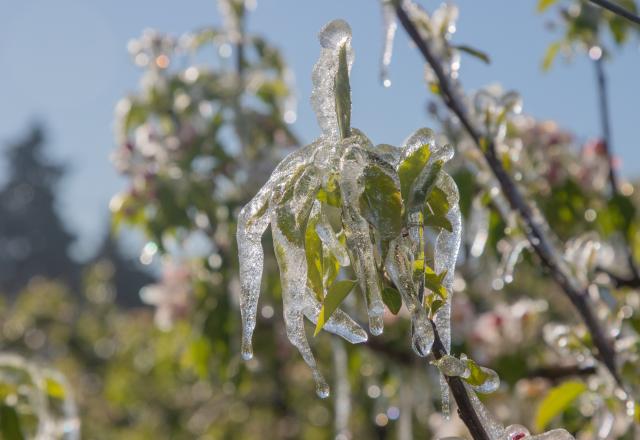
[434,306]
[410,168]
[10,423]
[437,221]
[433,282]
[381,204]
[483,56]
[557,401]
[336,294]
[392,299]
[423,185]
[543,5]
[315,261]
[342,91]
[438,202]
[477,376]
[54,388]
[550,55]
[330,193]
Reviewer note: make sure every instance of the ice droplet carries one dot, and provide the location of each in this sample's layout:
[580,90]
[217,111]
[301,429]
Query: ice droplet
[322,387]
[452,366]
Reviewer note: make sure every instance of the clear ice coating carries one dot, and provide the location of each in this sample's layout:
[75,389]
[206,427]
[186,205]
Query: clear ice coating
[496,431]
[328,175]
[333,36]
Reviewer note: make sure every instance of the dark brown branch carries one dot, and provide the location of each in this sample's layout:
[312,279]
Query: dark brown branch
[608,151]
[617,9]
[535,228]
[466,411]
[561,372]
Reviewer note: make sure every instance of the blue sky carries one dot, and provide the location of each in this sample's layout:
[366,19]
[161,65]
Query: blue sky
[65,63]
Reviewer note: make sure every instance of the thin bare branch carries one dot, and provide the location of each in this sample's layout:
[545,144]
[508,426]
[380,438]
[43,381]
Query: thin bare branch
[617,9]
[608,150]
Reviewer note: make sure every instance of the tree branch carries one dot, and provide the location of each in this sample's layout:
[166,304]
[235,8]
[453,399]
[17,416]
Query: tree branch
[561,372]
[466,411]
[613,178]
[618,10]
[534,224]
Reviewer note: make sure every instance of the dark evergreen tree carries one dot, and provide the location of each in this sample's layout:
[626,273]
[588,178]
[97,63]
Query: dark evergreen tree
[33,238]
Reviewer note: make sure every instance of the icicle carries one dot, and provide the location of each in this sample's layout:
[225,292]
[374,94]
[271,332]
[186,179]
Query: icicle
[478,228]
[329,239]
[446,256]
[343,390]
[253,220]
[358,238]
[339,323]
[333,36]
[493,428]
[399,269]
[292,262]
[511,251]
[581,254]
[389,27]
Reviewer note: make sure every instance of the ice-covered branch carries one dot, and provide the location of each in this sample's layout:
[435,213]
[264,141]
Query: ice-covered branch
[535,226]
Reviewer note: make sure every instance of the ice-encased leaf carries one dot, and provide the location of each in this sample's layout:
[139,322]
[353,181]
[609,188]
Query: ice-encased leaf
[392,299]
[335,295]
[330,240]
[452,366]
[342,91]
[335,37]
[415,154]
[481,379]
[381,204]
[400,270]
[339,322]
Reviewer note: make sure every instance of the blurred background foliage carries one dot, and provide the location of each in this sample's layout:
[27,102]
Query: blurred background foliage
[150,347]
